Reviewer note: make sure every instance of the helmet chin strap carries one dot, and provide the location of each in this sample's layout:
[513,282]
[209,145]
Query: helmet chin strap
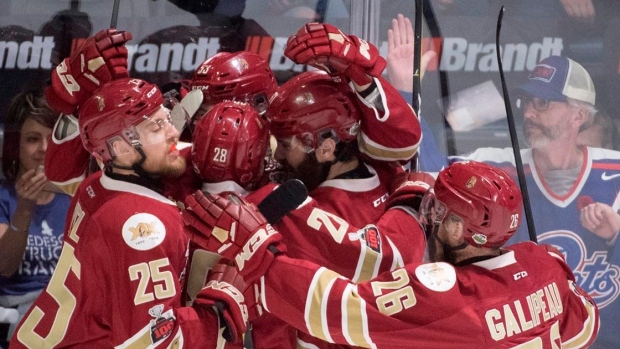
[137,166]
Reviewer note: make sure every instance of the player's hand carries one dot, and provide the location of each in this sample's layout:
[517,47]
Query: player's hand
[236,300]
[408,189]
[600,219]
[234,229]
[325,47]
[400,54]
[100,59]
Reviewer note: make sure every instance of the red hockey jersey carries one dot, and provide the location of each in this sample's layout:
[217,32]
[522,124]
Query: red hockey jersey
[118,280]
[524,298]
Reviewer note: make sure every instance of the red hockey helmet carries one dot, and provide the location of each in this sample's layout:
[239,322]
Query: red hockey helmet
[485,198]
[311,105]
[230,143]
[113,109]
[241,76]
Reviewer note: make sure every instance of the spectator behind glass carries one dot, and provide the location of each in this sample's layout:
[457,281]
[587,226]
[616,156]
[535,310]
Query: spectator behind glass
[32,219]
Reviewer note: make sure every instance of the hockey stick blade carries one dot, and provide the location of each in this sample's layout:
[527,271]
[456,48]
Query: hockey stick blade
[283,200]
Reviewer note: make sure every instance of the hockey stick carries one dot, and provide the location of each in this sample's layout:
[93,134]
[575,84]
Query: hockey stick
[417,71]
[114,20]
[444,86]
[513,135]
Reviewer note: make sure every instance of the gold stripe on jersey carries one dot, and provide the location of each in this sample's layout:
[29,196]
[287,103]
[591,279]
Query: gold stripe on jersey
[354,320]
[379,152]
[367,265]
[142,339]
[583,337]
[318,295]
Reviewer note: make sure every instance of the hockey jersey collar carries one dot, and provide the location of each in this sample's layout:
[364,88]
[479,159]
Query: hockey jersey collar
[123,186]
[357,184]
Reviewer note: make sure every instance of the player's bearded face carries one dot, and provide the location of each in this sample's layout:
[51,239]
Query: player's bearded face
[159,139]
[310,171]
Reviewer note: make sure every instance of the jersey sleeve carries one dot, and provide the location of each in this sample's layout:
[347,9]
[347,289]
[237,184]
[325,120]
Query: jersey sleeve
[317,235]
[496,303]
[389,128]
[66,160]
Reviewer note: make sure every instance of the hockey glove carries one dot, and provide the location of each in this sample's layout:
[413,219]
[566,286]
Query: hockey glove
[325,47]
[100,59]
[408,188]
[234,229]
[236,300]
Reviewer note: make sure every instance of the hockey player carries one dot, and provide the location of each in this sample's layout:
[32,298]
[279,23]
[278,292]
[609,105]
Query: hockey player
[118,280]
[517,296]
[343,131]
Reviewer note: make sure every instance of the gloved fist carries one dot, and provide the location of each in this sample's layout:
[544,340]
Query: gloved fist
[408,189]
[100,59]
[325,47]
[236,300]
[234,229]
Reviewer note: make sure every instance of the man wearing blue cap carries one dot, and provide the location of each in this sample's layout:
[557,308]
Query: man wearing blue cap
[573,189]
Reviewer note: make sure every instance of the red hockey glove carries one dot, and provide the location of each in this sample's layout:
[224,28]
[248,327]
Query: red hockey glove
[236,300]
[325,47]
[101,58]
[408,188]
[234,229]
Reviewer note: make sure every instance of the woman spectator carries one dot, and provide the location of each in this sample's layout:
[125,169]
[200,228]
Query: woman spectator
[32,217]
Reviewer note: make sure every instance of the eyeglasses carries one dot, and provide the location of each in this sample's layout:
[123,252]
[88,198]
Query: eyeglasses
[539,104]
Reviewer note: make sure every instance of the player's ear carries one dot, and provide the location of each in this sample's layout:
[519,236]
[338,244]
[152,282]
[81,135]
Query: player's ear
[121,151]
[325,151]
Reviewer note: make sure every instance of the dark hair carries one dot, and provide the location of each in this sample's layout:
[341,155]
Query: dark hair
[29,104]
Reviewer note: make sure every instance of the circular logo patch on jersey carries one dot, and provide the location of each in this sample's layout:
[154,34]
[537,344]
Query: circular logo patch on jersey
[143,231]
[438,277]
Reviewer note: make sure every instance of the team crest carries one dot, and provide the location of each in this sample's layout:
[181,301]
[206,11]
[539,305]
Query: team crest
[143,231]
[542,72]
[243,63]
[438,277]
[162,325]
[100,103]
[480,239]
[471,182]
[309,98]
